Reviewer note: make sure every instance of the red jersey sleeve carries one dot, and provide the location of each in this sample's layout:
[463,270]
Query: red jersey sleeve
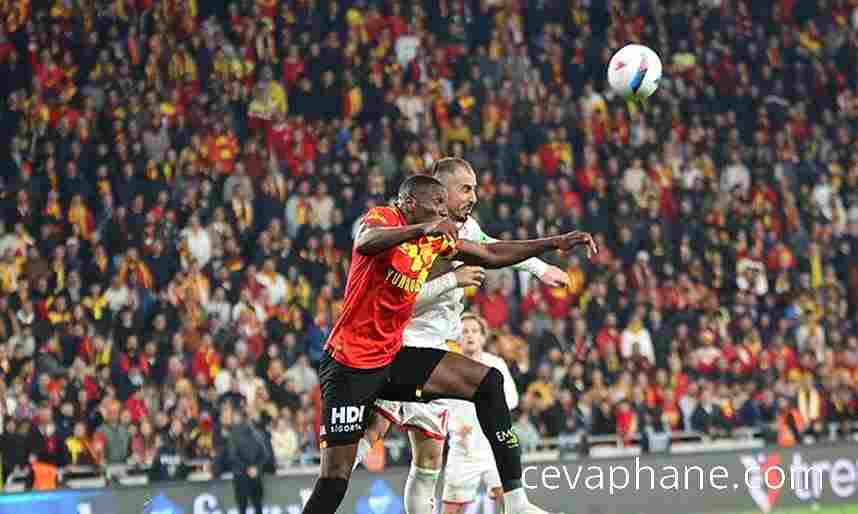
[381,217]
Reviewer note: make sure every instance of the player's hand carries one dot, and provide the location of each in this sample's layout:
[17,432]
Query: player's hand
[443,227]
[555,277]
[252,472]
[470,276]
[578,238]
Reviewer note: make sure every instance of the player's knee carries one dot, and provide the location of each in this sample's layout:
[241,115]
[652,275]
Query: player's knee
[378,426]
[453,508]
[336,467]
[327,495]
[491,388]
[429,458]
[371,435]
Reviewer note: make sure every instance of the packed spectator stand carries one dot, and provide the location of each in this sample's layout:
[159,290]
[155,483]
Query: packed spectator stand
[181,179]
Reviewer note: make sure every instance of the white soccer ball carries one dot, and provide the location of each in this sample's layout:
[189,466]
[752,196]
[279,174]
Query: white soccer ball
[634,72]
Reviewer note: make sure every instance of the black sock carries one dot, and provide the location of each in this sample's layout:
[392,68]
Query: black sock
[496,422]
[327,496]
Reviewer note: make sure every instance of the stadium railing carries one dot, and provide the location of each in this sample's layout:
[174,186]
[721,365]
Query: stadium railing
[567,447]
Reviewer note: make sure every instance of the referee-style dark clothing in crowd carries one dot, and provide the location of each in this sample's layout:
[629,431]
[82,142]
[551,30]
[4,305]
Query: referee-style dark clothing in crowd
[248,456]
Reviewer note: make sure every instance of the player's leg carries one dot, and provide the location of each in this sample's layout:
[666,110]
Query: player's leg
[453,508]
[256,494]
[493,484]
[240,486]
[456,376]
[333,481]
[460,377]
[426,423]
[383,416]
[347,398]
[422,481]
[461,484]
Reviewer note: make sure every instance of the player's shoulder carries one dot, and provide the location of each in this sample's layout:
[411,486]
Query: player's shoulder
[492,360]
[471,229]
[383,210]
[383,214]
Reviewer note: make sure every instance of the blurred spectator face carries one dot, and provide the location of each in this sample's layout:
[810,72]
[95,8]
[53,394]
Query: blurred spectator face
[473,337]
[44,381]
[545,372]
[111,412]
[693,390]
[328,78]
[275,369]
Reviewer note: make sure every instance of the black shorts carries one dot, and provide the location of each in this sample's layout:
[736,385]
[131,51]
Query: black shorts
[349,394]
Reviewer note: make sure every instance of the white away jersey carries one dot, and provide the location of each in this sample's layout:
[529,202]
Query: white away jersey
[438,312]
[468,444]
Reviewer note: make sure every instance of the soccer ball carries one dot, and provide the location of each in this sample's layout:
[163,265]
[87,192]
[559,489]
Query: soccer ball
[634,72]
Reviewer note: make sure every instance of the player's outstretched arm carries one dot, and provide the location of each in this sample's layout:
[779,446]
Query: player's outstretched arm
[546,273]
[373,240]
[507,253]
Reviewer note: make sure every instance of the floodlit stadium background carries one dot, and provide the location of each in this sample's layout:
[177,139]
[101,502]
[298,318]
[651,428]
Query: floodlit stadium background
[181,178]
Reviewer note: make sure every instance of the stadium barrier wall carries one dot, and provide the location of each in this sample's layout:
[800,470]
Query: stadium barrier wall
[826,474]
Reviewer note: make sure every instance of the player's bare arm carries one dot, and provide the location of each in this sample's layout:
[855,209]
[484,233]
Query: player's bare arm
[374,240]
[507,253]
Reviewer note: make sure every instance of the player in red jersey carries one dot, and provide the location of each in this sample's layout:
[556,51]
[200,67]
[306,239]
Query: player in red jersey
[364,358]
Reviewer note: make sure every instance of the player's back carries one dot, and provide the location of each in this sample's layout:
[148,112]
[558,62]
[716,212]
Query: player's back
[380,294]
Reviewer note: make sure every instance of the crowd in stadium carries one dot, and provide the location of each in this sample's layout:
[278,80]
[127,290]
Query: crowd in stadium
[181,178]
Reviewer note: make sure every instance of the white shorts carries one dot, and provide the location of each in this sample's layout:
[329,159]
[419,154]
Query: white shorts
[462,481]
[430,419]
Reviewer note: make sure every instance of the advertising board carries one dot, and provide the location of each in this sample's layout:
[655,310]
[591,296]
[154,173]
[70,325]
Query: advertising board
[733,481]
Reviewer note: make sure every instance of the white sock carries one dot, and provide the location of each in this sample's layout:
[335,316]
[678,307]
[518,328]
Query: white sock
[420,490]
[363,450]
[515,500]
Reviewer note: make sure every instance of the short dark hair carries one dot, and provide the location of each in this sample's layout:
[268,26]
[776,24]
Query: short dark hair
[417,184]
[447,166]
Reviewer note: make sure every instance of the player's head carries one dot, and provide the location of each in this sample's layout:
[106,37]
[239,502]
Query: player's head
[422,198]
[474,334]
[461,182]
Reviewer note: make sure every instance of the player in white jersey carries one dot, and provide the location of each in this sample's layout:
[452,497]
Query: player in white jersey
[470,461]
[437,323]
